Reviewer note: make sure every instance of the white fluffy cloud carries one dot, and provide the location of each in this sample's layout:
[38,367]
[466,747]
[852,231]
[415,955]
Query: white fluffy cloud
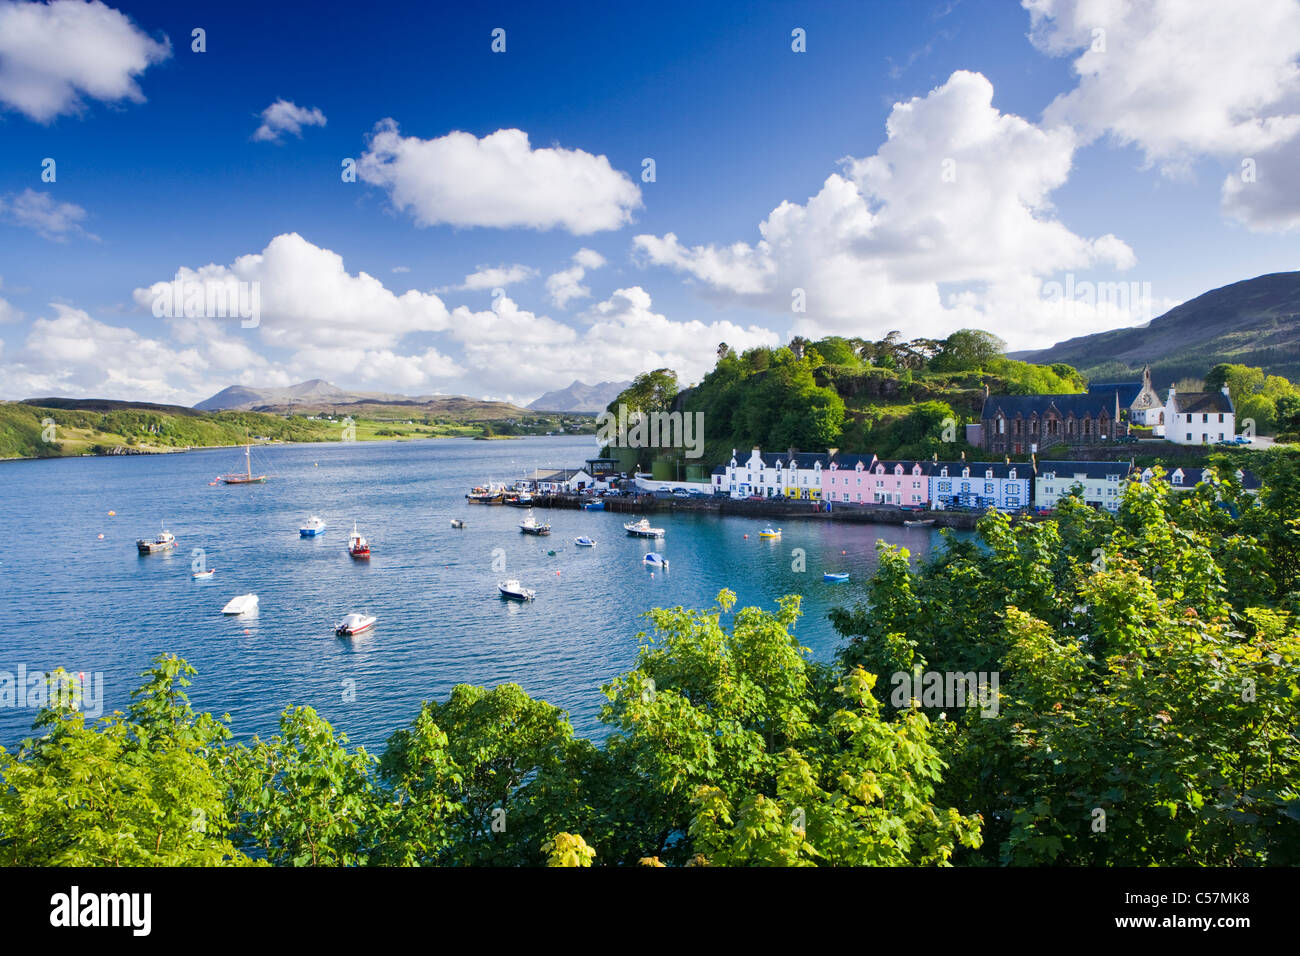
[310,300]
[282,117]
[622,337]
[497,181]
[493,277]
[55,56]
[949,224]
[43,214]
[566,285]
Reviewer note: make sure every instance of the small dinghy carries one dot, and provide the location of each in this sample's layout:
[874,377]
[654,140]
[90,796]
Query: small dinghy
[203,575]
[835,577]
[769,533]
[656,560]
[515,591]
[457,523]
[244,604]
[354,624]
[313,527]
[924,523]
[583,541]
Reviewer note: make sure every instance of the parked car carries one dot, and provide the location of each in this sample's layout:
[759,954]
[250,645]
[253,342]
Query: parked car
[1226,441]
[1242,440]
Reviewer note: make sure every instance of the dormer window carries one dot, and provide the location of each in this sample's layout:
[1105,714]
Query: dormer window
[965,472]
[1012,474]
[943,472]
[988,473]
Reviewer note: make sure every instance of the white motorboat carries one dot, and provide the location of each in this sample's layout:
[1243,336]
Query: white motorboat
[583,541]
[656,560]
[204,575]
[312,527]
[354,624]
[244,604]
[642,529]
[516,591]
[530,526]
[457,522]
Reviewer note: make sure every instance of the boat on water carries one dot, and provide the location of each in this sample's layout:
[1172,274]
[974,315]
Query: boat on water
[457,523]
[521,500]
[655,560]
[312,527]
[642,529]
[530,526]
[835,577]
[203,575]
[515,591]
[769,533]
[922,523]
[593,506]
[247,478]
[243,604]
[583,541]
[354,624]
[358,546]
[164,541]
[491,494]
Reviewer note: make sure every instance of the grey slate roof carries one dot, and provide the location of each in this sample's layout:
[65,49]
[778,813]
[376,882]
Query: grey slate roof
[1092,469]
[1028,405]
[1128,391]
[1199,402]
[978,469]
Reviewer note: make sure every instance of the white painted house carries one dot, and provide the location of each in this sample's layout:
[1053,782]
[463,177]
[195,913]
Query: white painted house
[1100,482]
[1199,418]
[772,475]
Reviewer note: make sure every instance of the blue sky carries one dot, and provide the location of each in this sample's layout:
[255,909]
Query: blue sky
[1113,163]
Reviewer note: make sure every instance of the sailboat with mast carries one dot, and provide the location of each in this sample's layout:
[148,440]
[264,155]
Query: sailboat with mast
[247,478]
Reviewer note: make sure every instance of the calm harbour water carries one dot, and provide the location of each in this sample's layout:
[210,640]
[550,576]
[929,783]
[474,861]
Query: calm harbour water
[93,605]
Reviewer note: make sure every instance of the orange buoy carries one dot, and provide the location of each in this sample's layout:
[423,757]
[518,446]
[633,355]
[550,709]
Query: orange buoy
[101,537]
[112,512]
[747,537]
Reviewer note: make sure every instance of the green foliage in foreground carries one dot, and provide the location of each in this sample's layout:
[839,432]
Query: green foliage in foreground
[1146,710]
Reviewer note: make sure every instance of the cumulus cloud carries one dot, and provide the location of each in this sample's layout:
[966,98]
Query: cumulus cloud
[622,336]
[309,299]
[493,277]
[949,223]
[282,117]
[43,214]
[497,181]
[566,285]
[1177,78]
[55,56]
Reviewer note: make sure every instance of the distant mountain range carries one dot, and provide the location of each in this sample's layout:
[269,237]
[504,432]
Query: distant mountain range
[318,397]
[1253,322]
[579,397]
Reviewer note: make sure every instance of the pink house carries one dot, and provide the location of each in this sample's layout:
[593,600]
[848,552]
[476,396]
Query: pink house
[858,479]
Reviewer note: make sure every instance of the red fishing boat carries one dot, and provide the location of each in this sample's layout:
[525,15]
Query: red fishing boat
[358,546]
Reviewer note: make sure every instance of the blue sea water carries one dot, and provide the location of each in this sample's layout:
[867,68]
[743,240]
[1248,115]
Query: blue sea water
[89,604]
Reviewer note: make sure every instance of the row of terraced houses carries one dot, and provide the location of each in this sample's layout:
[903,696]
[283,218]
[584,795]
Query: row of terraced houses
[837,479]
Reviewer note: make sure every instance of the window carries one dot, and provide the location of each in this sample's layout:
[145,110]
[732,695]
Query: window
[943,473]
[988,487]
[1189,434]
[1220,419]
[1189,421]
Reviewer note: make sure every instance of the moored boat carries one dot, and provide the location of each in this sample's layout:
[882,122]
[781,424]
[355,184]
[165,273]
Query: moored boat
[243,604]
[769,533]
[530,526]
[164,541]
[354,624]
[593,505]
[457,523]
[313,526]
[515,591]
[491,494]
[642,529]
[358,546]
[247,478]
[203,575]
[835,577]
[922,523]
[583,541]
[655,560]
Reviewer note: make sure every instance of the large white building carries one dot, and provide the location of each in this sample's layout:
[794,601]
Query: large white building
[772,475]
[1198,418]
[1100,482]
[1006,486]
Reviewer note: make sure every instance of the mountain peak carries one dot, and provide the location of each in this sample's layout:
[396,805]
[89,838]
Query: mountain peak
[579,397]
